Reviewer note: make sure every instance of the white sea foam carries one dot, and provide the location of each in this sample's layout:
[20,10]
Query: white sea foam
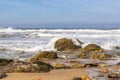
[30,40]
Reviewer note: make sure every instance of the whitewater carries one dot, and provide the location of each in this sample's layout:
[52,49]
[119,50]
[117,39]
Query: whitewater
[13,41]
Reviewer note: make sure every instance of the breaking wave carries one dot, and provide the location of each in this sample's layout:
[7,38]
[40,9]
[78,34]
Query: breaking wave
[31,40]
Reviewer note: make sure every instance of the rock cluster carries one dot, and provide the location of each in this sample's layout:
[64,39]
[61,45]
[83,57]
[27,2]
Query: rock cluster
[20,66]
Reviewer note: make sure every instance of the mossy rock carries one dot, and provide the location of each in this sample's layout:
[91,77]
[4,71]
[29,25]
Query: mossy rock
[4,62]
[65,44]
[95,56]
[44,67]
[44,55]
[22,67]
[93,47]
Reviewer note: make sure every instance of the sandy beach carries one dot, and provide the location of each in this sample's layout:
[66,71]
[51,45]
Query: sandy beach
[62,74]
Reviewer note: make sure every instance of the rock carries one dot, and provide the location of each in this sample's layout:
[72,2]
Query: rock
[103,65]
[74,61]
[44,55]
[91,65]
[81,78]
[104,56]
[114,75]
[44,67]
[93,47]
[105,70]
[37,66]
[77,65]
[2,75]
[77,78]
[118,64]
[59,66]
[95,56]
[65,44]
[83,55]
[85,78]
[4,62]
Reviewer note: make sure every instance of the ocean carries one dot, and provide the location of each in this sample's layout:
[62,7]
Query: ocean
[30,39]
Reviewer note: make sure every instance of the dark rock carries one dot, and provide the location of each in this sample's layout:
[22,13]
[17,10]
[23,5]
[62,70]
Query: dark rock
[65,44]
[44,55]
[2,75]
[77,78]
[114,75]
[92,47]
[91,65]
[4,62]
[118,64]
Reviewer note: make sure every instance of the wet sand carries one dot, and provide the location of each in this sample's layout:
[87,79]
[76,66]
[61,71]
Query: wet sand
[62,74]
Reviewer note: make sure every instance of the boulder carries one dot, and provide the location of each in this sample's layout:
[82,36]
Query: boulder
[4,62]
[44,55]
[65,44]
[93,47]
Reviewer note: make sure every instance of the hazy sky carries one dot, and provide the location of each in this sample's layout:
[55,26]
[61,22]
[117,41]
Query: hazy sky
[59,11]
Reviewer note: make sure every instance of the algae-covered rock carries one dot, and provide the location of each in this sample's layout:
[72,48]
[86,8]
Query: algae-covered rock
[93,47]
[44,55]
[4,62]
[65,44]
[37,66]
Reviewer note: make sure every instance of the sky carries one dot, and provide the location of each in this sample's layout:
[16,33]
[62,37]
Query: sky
[59,11]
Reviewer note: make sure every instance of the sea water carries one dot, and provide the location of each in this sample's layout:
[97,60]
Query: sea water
[30,40]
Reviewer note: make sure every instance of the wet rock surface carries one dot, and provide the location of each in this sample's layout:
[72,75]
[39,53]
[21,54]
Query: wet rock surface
[65,44]
[92,47]
[20,66]
[44,55]
[4,62]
